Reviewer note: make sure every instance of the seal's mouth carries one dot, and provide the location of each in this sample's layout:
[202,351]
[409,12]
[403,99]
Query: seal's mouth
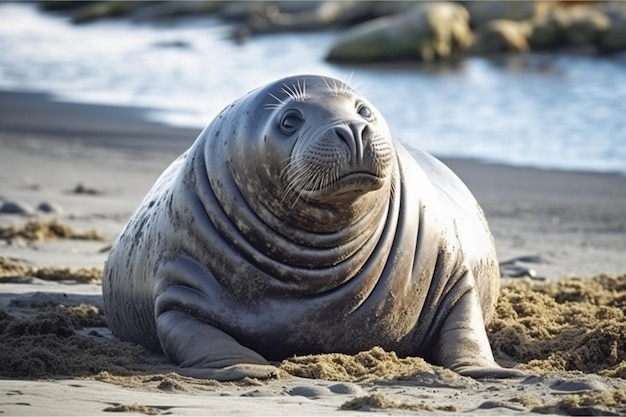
[356,183]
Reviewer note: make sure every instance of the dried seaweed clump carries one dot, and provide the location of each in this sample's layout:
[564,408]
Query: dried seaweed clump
[84,275]
[567,325]
[609,402]
[12,269]
[9,267]
[378,401]
[45,229]
[133,408]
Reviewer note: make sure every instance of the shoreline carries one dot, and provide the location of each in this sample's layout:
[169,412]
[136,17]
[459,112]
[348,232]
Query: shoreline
[134,122]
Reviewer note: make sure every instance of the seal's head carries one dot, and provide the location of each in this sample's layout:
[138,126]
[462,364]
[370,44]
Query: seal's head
[310,142]
[339,145]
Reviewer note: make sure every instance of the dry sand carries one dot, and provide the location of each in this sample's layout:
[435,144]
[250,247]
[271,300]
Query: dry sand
[93,164]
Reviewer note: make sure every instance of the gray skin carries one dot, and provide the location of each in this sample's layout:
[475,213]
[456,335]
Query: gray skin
[295,224]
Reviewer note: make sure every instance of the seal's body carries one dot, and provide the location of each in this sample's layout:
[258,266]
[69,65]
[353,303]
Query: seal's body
[296,224]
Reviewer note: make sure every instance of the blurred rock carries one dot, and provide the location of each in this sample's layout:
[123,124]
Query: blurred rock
[483,12]
[502,35]
[548,30]
[242,11]
[308,16]
[50,207]
[55,6]
[104,9]
[173,9]
[16,207]
[614,39]
[396,30]
[569,26]
[176,44]
[85,189]
[427,32]
[587,25]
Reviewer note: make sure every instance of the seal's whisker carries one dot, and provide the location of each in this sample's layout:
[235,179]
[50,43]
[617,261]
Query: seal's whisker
[345,83]
[301,90]
[363,87]
[297,91]
[298,176]
[273,106]
[287,91]
[334,87]
[280,101]
[329,86]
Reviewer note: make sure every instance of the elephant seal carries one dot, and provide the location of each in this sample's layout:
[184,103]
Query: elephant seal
[295,224]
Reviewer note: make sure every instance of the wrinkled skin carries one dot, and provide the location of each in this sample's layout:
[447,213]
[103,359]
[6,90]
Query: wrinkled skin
[296,224]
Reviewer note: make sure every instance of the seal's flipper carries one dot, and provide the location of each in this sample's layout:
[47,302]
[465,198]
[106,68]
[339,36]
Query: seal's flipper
[463,345]
[203,351]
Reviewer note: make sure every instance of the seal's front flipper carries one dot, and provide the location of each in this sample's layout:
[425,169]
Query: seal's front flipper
[203,351]
[463,345]
[232,373]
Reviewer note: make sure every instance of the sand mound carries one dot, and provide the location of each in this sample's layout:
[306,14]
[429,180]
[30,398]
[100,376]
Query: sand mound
[570,325]
[46,229]
[372,365]
[48,345]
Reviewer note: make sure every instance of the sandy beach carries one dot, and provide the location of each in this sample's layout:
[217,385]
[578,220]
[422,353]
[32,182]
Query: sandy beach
[71,176]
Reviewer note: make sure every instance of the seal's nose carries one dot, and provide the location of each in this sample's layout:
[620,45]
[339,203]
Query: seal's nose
[352,134]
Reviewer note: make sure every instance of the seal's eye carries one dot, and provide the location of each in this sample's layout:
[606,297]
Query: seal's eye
[365,112]
[291,121]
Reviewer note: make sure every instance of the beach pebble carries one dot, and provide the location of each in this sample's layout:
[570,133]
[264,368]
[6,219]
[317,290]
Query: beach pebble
[258,393]
[85,189]
[588,384]
[346,388]
[16,207]
[50,207]
[309,391]
[493,404]
[171,385]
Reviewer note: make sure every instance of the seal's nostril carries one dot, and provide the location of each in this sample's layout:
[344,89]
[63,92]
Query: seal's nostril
[352,135]
[358,127]
[344,134]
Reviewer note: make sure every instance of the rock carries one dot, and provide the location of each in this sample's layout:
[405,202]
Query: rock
[548,30]
[84,189]
[483,12]
[569,26]
[587,25]
[50,207]
[309,391]
[614,39]
[176,44]
[241,11]
[103,9]
[60,6]
[346,388]
[429,31]
[503,35]
[310,16]
[174,9]
[16,207]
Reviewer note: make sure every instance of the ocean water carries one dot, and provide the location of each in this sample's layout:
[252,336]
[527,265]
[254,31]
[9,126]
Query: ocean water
[549,111]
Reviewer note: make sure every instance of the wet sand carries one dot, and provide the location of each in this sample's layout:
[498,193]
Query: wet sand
[92,165]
